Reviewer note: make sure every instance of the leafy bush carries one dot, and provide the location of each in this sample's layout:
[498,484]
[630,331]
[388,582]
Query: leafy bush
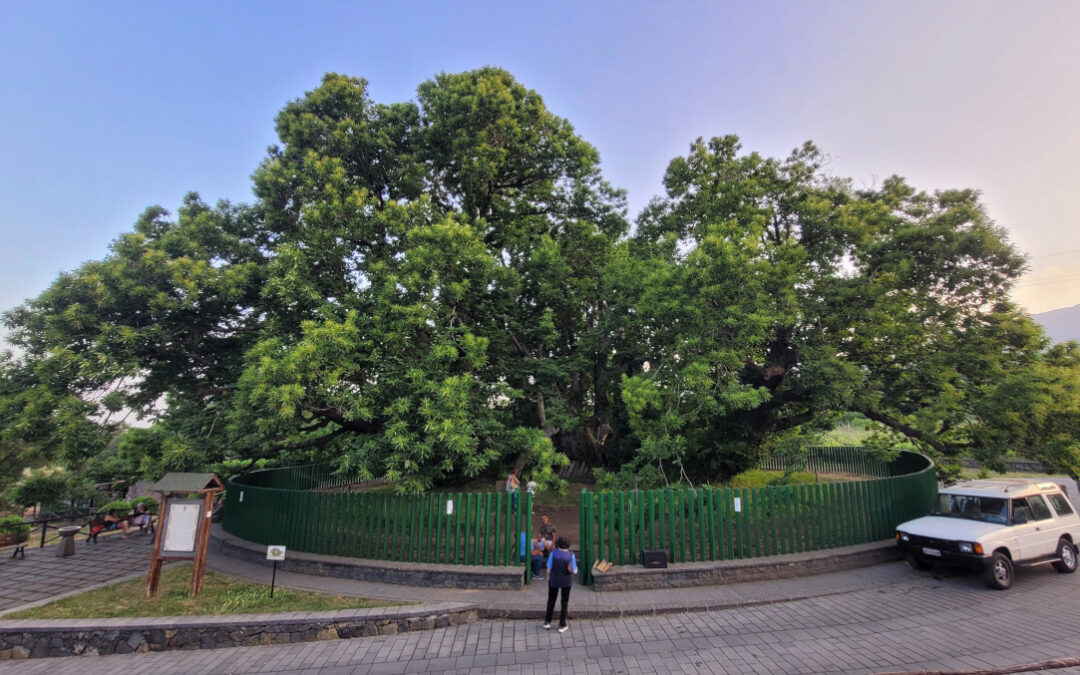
[39,488]
[628,478]
[118,507]
[151,504]
[14,525]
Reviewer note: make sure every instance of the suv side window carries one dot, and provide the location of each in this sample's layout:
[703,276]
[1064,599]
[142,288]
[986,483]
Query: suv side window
[1060,504]
[1039,508]
[1020,508]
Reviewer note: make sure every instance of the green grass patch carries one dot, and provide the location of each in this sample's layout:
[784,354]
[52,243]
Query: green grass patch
[755,478]
[220,595]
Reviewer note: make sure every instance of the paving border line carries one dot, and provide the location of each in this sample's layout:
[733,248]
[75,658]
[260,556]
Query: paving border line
[1053,664]
[40,638]
[722,572]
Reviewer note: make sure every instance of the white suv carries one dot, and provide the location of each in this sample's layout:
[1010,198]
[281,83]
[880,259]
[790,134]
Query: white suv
[993,525]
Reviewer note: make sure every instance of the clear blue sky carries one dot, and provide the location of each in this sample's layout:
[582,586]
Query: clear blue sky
[106,108]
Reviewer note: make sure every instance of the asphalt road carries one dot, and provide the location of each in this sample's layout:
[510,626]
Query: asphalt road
[923,621]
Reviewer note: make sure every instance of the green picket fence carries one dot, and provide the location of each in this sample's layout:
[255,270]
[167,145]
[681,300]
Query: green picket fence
[302,509]
[733,523]
[833,459]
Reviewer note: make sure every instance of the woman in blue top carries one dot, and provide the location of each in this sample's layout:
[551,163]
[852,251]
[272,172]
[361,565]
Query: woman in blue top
[562,566]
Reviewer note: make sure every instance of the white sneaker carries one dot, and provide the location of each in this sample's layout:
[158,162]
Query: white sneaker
[563,629]
[547,626]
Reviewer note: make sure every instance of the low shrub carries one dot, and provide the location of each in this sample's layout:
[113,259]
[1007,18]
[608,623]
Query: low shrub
[151,504]
[14,525]
[118,507]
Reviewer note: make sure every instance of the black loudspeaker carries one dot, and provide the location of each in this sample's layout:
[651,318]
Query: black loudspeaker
[654,559]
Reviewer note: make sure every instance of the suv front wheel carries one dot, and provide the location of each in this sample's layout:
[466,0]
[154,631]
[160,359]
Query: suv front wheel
[1066,553]
[1000,573]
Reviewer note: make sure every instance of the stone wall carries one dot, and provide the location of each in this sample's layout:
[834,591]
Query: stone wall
[682,575]
[81,637]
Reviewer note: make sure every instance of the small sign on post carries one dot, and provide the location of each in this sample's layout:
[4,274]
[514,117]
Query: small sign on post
[738,505]
[274,553]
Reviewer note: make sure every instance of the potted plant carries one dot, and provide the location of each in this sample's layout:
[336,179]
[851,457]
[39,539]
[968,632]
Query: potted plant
[13,530]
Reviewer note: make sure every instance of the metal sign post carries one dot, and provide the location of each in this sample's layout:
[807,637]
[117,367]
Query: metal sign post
[274,553]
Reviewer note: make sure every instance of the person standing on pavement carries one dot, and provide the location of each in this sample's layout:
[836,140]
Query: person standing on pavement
[562,566]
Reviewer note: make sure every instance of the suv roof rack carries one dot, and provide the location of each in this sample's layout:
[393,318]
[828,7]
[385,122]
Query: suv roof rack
[1002,484]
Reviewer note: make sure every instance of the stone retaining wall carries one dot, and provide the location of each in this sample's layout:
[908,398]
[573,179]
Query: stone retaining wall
[477,577]
[682,575]
[78,637]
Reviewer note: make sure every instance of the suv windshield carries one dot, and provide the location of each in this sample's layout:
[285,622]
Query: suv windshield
[986,509]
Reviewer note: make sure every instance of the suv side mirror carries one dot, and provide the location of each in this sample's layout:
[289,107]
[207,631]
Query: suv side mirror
[1019,518]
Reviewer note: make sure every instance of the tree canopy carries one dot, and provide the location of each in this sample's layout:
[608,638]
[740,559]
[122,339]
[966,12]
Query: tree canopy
[434,290]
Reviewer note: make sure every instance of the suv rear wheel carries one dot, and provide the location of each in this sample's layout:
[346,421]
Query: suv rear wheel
[1000,573]
[1066,553]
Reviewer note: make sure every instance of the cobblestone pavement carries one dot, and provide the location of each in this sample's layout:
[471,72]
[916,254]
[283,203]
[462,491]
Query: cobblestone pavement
[43,576]
[936,622]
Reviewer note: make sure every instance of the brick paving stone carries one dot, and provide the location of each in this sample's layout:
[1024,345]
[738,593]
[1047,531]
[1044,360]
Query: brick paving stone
[904,621]
[43,576]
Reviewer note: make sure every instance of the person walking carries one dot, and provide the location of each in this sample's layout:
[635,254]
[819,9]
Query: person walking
[562,566]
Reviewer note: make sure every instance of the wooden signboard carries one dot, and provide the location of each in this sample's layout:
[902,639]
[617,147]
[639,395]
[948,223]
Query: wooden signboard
[183,529]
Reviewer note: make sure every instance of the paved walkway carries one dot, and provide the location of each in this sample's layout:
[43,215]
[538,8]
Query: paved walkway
[519,604]
[43,576]
[881,618]
[919,621]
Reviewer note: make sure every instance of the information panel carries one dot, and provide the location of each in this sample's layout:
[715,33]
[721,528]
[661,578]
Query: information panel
[180,528]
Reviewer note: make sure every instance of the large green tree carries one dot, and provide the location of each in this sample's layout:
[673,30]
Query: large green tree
[432,290]
[405,296]
[779,297]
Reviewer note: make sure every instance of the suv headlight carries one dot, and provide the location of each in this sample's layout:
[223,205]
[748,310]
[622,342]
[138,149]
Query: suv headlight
[902,536]
[970,547]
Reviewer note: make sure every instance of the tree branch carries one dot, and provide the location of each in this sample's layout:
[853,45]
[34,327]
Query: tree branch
[910,432]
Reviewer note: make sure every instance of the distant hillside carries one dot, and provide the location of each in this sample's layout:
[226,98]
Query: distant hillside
[1061,324]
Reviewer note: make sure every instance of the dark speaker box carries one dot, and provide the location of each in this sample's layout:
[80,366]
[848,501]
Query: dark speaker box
[654,559]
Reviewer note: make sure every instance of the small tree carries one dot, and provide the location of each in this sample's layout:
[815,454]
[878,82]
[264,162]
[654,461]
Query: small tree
[39,489]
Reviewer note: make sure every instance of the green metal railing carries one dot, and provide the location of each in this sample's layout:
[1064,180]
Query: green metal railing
[304,509]
[837,459]
[731,523]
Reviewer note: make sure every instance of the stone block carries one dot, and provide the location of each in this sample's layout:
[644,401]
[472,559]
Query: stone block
[388,629]
[136,639]
[328,633]
[20,652]
[41,649]
[5,654]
